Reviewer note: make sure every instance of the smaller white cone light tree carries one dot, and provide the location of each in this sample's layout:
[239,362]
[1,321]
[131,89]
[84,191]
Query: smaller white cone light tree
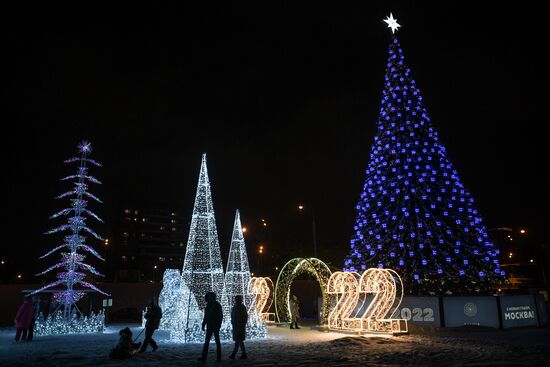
[237,275]
[67,317]
[237,278]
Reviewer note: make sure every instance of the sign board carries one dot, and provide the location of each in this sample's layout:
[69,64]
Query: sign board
[421,311]
[107,302]
[480,311]
[518,311]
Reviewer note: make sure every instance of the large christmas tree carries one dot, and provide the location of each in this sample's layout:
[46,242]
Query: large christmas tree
[414,215]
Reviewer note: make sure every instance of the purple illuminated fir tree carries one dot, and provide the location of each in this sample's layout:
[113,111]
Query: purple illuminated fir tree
[415,215]
[72,268]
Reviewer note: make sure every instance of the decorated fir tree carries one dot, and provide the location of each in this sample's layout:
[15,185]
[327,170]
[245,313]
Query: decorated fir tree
[415,215]
[72,268]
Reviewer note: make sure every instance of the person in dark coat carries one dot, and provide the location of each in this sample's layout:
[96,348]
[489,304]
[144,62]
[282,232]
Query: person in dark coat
[153,316]
[126,347]
[213,317]
[36,315]
[294,312]
[23,319]
[239,318]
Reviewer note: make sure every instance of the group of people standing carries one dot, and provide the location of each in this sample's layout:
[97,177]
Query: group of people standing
[213,317]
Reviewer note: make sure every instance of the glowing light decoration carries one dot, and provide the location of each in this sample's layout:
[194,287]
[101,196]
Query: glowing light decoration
[414,213]
[368,302]
[392,23]
[346,286]
[175,300]
[261,288]
[288,273]
[202,268]
[67,318]
[56,324]
[202,272]
[237,275]
[237,279]
[180,313]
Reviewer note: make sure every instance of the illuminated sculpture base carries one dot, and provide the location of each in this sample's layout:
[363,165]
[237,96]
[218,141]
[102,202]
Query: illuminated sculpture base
[196,335]
[55,324]
[182,317]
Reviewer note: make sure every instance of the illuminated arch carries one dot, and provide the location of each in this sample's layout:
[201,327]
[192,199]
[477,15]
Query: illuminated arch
[288,273]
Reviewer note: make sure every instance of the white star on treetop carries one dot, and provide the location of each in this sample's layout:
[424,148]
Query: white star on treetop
[392,23]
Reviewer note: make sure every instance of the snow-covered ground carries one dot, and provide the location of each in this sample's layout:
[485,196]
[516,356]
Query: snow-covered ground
[304,347]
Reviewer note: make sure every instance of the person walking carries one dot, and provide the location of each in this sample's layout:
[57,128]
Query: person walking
[36,315]
[239,318]
[23,319]
[153,316]
[294,312]
[213,317]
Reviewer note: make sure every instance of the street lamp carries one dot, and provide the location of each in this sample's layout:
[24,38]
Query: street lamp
[154,273]
[260,253]
[301,208]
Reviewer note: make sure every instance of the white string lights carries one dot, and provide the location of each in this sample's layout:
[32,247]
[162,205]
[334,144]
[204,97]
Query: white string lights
[237,280]
[182,297]
[202,268]
[261,288]
[346,284]
[288,273]
[366,303]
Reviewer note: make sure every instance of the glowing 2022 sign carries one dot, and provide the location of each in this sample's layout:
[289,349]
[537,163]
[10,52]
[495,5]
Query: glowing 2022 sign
[366,303]
[261,289]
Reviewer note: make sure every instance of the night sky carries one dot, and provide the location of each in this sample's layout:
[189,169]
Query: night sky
[283,99]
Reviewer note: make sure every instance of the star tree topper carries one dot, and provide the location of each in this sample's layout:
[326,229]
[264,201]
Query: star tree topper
[392,23]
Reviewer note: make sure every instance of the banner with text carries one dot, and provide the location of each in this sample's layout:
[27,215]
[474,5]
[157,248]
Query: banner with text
[518,311]
[421,311]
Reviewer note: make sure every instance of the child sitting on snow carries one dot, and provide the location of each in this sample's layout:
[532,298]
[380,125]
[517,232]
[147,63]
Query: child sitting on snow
[125,348]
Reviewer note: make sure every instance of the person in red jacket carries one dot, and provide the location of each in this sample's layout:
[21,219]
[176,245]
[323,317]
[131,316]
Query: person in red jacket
[23,319]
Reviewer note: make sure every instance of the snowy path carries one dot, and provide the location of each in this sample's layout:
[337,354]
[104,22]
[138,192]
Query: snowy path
[304,347]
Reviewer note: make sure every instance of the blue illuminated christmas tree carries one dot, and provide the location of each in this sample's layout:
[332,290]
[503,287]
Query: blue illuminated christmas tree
[71,277]
[414,215]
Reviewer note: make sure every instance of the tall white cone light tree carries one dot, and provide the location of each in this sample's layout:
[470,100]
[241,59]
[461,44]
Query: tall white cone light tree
[202,268]
[67,317]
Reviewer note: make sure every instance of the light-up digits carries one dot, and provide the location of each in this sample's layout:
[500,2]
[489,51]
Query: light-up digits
[344,284]
[261,290]
[387,298]
[375,313]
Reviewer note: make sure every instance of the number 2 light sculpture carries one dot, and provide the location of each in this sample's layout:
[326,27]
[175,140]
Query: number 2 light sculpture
[367,303]
[261,289]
